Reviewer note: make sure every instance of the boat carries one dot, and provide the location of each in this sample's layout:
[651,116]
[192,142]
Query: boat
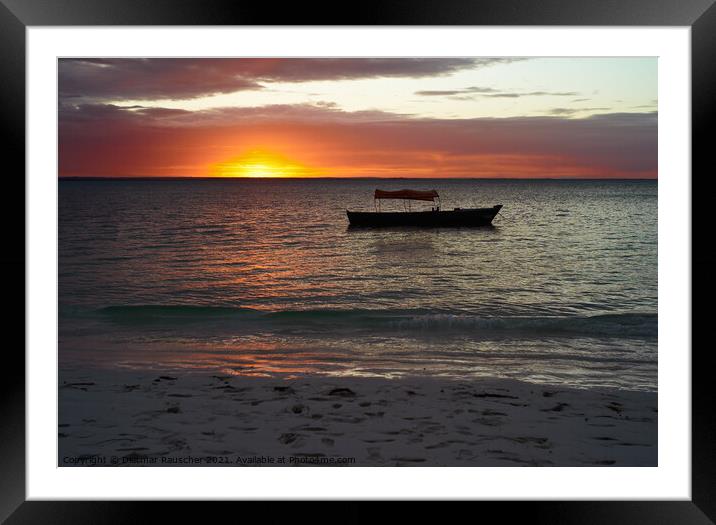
[434,217]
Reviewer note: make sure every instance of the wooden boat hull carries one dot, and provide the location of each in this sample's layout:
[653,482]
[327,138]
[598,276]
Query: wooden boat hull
[449,218]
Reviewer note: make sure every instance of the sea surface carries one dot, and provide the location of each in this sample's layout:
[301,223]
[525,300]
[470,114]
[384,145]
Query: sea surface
[264,277]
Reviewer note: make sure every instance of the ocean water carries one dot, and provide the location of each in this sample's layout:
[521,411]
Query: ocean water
[264,277]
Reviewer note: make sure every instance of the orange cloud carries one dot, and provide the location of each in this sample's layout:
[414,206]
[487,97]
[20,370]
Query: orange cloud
[101,140]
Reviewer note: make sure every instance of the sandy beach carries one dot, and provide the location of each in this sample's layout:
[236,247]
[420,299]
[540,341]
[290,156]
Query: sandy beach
[151,418]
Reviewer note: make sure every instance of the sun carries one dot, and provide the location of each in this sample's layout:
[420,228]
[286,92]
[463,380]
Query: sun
[261,164]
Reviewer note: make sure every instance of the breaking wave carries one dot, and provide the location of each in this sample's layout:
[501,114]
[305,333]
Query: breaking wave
[629,324]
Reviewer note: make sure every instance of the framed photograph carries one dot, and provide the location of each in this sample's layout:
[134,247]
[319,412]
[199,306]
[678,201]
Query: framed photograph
[425,254]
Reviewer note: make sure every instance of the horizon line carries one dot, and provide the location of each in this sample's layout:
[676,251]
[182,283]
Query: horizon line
[177,178]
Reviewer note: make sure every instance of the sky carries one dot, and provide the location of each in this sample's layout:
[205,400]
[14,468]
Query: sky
[358,117]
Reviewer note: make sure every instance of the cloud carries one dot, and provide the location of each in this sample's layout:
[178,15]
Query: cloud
[534,94]
[572,111]
[141,116]
[491,92]
[473,89]
[186,78]
[104,140]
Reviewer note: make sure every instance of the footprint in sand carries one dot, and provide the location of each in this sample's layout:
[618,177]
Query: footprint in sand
[374,454]
[288,438]
[342,392]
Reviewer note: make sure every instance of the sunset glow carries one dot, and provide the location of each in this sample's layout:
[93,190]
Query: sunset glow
[359,117]
[261,164]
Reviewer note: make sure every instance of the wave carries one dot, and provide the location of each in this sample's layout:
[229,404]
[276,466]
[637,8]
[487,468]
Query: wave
[168,311]
[625,324]
[609,325]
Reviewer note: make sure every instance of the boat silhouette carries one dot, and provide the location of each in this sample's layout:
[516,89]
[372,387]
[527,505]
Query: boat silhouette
[434,217]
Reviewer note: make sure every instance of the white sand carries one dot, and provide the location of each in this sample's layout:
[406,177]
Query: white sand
[138,419]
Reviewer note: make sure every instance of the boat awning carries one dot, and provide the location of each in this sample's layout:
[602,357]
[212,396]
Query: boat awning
[415,195]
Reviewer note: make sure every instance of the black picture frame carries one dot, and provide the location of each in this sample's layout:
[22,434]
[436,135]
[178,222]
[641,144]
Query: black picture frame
[17,15]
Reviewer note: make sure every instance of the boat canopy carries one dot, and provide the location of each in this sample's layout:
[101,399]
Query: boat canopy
[414,195]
